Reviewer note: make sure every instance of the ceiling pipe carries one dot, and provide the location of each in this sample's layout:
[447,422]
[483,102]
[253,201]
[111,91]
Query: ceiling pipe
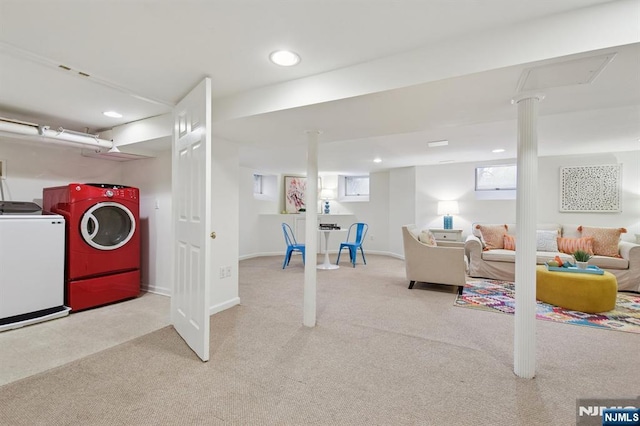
[45,134]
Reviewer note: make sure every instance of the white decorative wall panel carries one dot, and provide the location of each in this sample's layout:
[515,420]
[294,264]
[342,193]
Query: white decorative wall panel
[590,188]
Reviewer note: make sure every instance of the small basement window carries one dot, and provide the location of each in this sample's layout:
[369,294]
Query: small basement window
[257,184]
[353,188]
[265,187]
[496,178]
[496,182]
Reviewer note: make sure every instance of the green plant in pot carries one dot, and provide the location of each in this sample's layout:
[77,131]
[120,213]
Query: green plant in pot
[582,258]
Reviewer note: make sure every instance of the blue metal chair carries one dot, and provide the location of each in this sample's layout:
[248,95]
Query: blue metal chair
[292,245]
[359,233]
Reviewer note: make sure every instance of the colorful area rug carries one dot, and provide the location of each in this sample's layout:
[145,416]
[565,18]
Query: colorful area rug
[499,296]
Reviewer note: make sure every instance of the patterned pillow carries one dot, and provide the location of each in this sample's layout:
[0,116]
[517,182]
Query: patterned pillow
[492,235]
[605,240]
[570,245]
[427,237]
[547,241]
[509,242]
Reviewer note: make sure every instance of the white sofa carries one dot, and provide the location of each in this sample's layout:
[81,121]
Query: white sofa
[499,264]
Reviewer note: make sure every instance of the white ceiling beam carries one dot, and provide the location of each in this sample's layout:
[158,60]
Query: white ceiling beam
[149,129]
[583,30]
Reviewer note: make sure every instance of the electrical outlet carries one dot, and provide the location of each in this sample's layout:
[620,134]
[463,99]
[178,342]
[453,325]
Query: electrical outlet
[221,272]
[3,169]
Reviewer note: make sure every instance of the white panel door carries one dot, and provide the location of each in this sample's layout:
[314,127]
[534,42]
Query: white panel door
[191,195]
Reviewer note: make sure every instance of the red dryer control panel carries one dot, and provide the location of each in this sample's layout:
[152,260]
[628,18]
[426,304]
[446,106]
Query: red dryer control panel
[101,190]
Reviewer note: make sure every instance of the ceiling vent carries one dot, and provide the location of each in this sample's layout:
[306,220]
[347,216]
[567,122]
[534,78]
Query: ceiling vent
[566,73]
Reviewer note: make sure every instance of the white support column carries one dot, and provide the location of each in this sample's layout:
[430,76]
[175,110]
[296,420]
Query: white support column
[526,219]
[311,231]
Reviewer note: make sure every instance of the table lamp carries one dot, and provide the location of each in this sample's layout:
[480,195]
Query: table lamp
[447,208]
[327,194]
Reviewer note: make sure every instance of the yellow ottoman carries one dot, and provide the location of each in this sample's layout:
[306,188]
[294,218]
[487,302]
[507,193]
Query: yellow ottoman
[576,291]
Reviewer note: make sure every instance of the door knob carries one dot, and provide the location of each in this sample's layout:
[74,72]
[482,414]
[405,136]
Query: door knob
[213,235]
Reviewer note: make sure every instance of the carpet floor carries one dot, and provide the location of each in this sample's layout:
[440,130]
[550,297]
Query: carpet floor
[380,354]
[499,296]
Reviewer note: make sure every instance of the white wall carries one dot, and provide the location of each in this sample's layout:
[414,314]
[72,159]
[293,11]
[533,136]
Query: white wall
[375,212]
[251,209]
[261,218]
[402,205]
[549,190]
[153,177]
[456,181]
[225,223]
[397,197]
[410,195]
[32,166]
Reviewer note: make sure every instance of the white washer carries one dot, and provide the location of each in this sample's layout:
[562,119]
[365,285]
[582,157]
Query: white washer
[31,269]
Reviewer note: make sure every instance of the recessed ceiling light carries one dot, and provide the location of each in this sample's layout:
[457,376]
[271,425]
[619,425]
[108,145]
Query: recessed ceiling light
[284,58]
[498,150]
[112,114]
[438,143]
[377,160]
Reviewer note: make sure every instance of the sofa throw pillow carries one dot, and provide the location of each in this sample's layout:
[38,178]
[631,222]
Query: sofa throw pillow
[492,236]
[509,242]
[547,241]
[427,237]
[605,240]
[570,245]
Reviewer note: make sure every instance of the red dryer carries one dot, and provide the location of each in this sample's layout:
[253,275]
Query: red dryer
[102,241]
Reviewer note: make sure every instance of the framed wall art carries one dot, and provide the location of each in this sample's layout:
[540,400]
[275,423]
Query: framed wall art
[590,188]
[295,188]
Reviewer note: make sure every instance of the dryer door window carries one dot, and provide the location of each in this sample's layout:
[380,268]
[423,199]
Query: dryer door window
[107,226]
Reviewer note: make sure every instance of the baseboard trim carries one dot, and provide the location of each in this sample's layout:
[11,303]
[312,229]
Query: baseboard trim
[156,290]
[252,255]
[224,305]
[212,310]
[383,253]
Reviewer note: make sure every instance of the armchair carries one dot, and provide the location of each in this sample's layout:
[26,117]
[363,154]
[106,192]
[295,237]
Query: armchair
[441,264]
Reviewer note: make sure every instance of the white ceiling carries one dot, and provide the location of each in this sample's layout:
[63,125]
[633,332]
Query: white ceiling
[142,56]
